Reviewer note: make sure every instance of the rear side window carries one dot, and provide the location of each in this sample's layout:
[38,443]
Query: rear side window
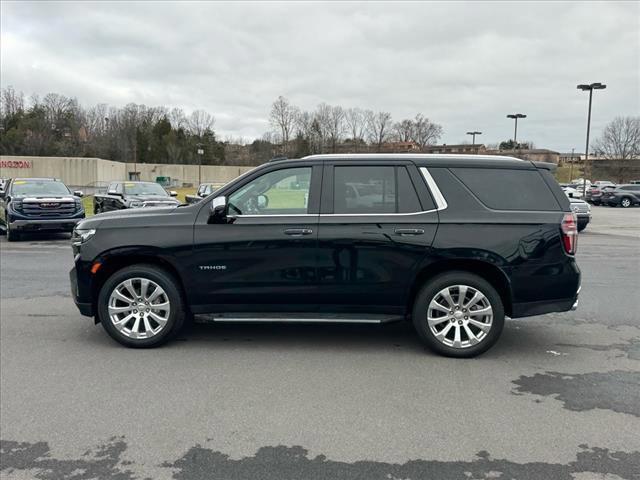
[503,189]
[374,189]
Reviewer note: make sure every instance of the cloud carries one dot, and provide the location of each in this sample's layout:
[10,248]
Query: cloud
[464,65]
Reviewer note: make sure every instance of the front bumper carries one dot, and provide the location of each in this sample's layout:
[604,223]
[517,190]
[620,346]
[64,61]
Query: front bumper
[86,308]
[33,225]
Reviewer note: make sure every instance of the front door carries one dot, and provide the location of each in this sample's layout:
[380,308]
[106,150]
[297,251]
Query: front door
[377,224]
[263,256]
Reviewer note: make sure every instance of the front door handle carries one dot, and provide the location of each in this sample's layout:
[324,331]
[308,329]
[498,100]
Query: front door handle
[409,231]
[298,232]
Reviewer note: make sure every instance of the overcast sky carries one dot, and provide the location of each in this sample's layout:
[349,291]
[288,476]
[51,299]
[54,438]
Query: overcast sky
[464,65]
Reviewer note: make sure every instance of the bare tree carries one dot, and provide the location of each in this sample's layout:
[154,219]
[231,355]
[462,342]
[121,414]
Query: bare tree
[404,130]
[425,132]
[178,118]
[620,141]
[11,102]
[200,122]
[356,124]
[335,126]
[378,127]
[283,118]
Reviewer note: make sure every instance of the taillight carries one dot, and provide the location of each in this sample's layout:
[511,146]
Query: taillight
[569,229]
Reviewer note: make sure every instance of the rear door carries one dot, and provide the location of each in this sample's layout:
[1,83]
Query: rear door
[377,224]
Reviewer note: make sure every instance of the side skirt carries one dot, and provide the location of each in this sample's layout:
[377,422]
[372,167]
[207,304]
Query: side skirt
[294,317]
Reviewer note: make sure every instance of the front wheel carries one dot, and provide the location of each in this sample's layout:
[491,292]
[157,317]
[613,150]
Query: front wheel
[141,306]
[458,314]
[12,235]
[625,202]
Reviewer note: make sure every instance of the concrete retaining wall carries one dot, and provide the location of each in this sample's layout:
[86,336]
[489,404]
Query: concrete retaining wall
[98,172]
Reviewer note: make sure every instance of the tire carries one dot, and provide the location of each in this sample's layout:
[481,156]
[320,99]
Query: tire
[431,292]
[582,226]
[12,235]
[625,202]
[133,332]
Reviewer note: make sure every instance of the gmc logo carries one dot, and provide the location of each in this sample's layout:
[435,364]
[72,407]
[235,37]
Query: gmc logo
[48,205]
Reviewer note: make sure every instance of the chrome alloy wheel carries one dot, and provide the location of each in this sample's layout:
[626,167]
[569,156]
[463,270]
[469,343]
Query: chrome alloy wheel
[460,316]
[139,308]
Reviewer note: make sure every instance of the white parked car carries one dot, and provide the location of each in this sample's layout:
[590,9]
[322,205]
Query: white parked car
[572,192]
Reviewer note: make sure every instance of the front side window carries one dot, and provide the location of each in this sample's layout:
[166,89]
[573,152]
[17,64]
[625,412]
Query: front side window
[281,192]
[144,189]
[374,190]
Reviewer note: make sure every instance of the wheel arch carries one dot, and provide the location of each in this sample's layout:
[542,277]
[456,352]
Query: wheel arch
[488,271]
[113,263]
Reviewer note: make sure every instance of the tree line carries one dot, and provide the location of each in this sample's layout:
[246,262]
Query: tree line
[56,125]
[333,129]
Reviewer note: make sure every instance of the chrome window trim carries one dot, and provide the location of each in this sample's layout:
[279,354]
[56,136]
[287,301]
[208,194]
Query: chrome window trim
[441,203]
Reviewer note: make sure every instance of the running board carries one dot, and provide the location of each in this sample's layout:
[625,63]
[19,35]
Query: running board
[296,318]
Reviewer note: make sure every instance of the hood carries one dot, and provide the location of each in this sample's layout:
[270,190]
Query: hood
[151,198]
[128,217]
[49,198]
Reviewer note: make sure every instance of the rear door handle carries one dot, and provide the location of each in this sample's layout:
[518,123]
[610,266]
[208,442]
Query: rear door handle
[298,232]
[409,231]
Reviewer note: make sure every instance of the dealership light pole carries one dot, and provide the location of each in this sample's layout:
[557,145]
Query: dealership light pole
[590,87]
[516,116]
[473,136]
[200,154]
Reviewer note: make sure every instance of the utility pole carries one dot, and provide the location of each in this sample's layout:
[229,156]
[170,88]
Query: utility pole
[591,87]
[571,168]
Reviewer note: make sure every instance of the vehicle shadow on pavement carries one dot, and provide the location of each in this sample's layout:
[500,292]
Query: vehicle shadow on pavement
[515,340]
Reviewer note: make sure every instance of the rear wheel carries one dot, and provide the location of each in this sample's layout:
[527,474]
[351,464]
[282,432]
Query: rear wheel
[458,314]
[625,202]
[140,306]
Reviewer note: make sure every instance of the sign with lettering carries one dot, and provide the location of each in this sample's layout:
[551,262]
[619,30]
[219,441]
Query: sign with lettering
[15,164]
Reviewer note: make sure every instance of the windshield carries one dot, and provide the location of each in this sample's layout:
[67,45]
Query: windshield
[144,189]
[23,188]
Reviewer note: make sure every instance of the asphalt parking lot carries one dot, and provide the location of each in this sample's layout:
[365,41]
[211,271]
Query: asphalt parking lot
[557,398]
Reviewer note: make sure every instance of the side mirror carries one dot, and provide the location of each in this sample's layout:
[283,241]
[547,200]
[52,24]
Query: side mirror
[78,193]
[173,193]
[218,212]
[263,201]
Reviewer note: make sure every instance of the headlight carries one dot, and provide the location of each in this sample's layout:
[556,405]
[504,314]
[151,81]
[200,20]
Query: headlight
[136,204]
[79,206]
[81,236]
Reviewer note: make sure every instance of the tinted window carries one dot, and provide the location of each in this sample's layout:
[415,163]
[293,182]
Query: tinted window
[503,189]
[280,192]
[407,197]
[374,189]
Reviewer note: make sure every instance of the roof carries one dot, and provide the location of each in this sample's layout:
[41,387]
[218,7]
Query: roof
[39,179]
[434,159]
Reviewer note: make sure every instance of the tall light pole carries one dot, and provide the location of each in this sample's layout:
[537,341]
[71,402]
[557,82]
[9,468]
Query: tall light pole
[473,136]
[516,116]
[200,154]
[590,87]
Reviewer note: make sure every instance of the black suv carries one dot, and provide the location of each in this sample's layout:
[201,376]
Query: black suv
[454,243]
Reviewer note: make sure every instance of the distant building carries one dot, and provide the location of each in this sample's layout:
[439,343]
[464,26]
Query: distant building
[571,157]
[465,148]
[533,154]
[400,147]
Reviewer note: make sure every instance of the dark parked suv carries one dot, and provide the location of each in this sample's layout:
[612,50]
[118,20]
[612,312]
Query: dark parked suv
[453,243]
